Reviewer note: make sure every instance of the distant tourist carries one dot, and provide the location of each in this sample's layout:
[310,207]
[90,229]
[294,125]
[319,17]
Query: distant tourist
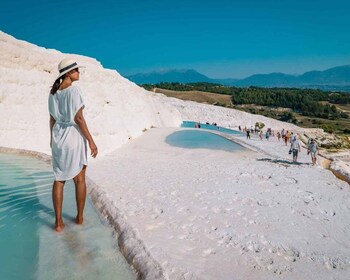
[260,134]
[295,148]
[286,137]
[239,128]
[267,135]
[292,137]
[278,136]
[313,151]
[248,133]
[283,134]
[69,134]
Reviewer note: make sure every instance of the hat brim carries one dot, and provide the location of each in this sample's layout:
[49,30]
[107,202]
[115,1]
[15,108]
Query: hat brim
[69,69]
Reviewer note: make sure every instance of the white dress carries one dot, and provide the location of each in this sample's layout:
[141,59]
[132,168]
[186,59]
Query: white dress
[69,147]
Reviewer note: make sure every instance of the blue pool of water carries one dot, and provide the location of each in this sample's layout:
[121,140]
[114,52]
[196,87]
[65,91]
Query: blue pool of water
[190,124]
[198,139]
[29,246]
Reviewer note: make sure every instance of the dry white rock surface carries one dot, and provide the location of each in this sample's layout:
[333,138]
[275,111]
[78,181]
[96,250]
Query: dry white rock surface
[186,213]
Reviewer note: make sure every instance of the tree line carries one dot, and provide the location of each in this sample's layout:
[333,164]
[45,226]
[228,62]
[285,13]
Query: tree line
[209,87]
[304,101]
[308,102]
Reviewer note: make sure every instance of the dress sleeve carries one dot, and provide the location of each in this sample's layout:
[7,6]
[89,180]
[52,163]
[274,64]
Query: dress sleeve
[77,101]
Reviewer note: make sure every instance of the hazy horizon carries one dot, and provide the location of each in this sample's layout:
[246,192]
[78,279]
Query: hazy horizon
[174,69]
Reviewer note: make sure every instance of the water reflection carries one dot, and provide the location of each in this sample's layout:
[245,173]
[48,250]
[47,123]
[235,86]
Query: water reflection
[33,250]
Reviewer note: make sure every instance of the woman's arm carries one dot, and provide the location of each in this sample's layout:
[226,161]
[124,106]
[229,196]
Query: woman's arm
[80,121]
[52,123]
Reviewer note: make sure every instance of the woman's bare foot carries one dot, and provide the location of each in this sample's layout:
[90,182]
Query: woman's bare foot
[79,220]
[59,226]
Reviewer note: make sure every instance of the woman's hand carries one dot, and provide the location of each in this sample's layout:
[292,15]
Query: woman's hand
[93,148]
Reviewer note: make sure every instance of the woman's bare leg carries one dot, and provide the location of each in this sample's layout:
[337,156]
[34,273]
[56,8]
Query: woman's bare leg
[80,194]
[57,199]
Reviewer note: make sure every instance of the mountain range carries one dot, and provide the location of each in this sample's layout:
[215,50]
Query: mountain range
[336,78]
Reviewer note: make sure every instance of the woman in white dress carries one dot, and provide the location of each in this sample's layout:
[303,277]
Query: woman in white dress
[69,134]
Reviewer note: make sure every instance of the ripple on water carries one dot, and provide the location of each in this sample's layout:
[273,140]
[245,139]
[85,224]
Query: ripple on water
[26,223]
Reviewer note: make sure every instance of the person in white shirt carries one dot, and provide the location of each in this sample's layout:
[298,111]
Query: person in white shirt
[295,148]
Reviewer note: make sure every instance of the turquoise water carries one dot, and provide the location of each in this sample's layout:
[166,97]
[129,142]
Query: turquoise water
[197,139]
[29,246]
[191,124]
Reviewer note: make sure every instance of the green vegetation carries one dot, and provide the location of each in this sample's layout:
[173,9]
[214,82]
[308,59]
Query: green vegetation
[214,88]
[259,125]
[304,107]
[304,101]
[288,117]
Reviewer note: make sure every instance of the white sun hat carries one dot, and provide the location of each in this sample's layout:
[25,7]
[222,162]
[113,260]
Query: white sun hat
[67,65]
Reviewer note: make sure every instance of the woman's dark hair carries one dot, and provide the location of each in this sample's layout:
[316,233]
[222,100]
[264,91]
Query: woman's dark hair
[56,85]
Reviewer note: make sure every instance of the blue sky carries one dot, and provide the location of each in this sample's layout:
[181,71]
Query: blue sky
[221,39]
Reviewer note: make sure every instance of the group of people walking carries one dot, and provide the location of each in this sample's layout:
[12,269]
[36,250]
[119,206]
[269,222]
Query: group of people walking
[295,147]
[289,138]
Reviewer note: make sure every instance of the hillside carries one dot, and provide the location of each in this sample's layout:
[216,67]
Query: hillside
[338,123]
[336,78]
[181,76]
[117,110]
[198,96]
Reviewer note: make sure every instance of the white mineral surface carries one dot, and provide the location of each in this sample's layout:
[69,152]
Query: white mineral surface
[186,213]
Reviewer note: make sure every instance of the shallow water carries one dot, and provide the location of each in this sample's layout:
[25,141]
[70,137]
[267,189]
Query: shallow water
[190,124]
[198,139]
[31,249]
